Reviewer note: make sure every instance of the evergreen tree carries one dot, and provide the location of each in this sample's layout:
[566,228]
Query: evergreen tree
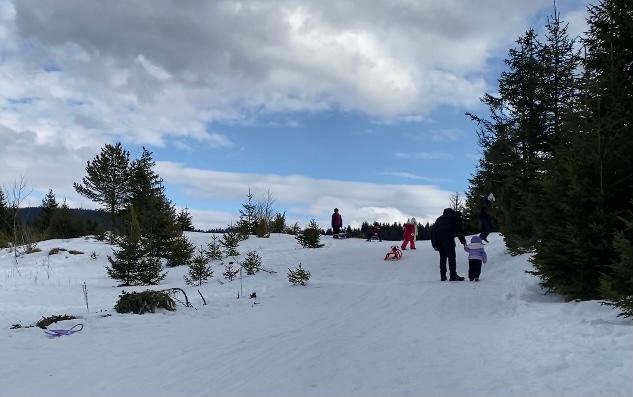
[4,221]
[149,270]
[279,223]
[108,180]
[124,265]
[49,206]
[181,252]
[261,230]
[184,221]
[616,285]
[298,276]
[214,251]
[230,241]
[310,237]
[293,230]
[591,180]
[252,263]
[63,225]
[199,270]
[248,220]
[230,272]
[156,213]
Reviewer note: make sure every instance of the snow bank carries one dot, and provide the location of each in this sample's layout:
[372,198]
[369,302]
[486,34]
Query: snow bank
[362,327]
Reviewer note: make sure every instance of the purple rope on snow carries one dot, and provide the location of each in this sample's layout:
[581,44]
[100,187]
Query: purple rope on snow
[54,333]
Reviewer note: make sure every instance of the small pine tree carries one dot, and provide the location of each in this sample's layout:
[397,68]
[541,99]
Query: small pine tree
[123,267]
[247,223]
[293,230]
[214,251]
[199,270]
[184,221]
[230,272]
[49,206]
[229,242]
[310,237]
[181,252]
[279,223]
[298,276]
[261,230]
[252,263]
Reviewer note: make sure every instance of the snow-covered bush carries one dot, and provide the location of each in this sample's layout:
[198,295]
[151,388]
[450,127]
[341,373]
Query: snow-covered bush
[143,302]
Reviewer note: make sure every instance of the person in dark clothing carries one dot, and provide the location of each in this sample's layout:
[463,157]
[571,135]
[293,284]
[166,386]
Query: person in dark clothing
[337,223]
[374,231]
[485,223]
[446,228]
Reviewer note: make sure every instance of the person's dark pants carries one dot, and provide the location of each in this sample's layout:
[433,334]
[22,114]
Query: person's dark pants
[485,229]
[474,268]
[336,231]
[370,235]
[447,253]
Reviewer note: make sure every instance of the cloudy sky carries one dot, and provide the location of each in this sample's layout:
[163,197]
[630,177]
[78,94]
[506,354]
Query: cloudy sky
[353,104]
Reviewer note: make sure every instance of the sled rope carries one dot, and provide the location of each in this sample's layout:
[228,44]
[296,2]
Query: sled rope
[54,333]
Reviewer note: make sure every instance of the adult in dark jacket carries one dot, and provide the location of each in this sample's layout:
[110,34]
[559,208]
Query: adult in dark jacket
[446,228]
[337,223]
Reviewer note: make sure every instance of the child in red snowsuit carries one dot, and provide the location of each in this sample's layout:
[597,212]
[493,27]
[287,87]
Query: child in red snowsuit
[410,233]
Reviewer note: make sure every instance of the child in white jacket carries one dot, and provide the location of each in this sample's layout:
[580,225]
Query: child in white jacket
[476,255]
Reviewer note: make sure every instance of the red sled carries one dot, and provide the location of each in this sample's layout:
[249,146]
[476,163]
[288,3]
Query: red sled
[394,255]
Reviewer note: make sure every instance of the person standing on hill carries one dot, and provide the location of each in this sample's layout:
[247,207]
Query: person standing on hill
[337,223]
[410,233]
[446,228]
[485,221]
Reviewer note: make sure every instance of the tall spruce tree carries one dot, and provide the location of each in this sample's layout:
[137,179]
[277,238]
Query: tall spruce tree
[108,180]
[591,184]
[156,213]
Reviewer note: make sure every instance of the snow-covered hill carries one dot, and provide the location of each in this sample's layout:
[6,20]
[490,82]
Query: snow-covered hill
[362,327]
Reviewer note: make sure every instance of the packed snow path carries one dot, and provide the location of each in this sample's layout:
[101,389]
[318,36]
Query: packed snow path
[362,327]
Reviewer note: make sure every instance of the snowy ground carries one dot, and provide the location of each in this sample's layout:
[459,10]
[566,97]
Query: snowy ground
[363,327]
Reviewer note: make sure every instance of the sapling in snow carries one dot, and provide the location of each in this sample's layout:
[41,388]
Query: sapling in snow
[298,276]
[252,263]
[199,270]
[214,251]
[230,272]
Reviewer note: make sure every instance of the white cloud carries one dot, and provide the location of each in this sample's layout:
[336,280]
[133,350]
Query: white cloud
[205,219]
[309,197]
[425,156]
[409,175]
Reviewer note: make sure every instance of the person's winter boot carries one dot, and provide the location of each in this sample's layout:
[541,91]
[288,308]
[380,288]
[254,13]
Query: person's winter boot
[443,276]
[456,277]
